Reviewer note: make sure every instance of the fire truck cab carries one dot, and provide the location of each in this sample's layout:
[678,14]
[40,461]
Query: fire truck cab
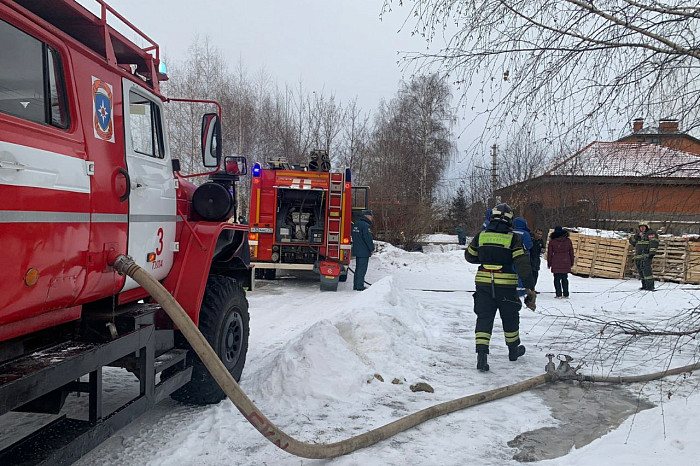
[86,175]
[300,219]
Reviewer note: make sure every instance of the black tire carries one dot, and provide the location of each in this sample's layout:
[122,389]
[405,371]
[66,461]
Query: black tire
[270,274]
[224,322]
[343,277]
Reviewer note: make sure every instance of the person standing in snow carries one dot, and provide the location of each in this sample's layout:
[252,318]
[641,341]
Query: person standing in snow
[362,248]
[497,249]
[560,258]
[520,228]
[536,254]
[646,243]
[461,235]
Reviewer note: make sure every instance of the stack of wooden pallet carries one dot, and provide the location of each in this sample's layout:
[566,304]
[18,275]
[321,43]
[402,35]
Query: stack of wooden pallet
[670,260]
[596,256]
[677,258]
[692,270]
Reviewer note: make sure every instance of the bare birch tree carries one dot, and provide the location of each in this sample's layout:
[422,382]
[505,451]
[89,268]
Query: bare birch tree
[574,67]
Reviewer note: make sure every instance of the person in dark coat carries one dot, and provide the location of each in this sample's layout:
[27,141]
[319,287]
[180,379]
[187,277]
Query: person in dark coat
[536,254]
[461,234]
[497,249]
[560,258]
[362,247]
[646,243]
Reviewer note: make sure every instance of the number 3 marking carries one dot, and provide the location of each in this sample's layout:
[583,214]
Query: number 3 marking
[159,249]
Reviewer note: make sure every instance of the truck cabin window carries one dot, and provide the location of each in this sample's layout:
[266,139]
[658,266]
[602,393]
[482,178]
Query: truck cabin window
[32,86]
[145,126]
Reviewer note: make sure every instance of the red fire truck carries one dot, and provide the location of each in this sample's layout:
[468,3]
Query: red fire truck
[300,219]
[86,175]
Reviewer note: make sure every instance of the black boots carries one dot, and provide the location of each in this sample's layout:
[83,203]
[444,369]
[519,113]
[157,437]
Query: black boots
[481,359]
[514,352]
[482,354]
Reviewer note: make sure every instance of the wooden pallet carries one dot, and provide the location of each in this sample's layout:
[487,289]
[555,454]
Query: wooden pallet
[692,270]
[596,256]
[677,259]
[669,263]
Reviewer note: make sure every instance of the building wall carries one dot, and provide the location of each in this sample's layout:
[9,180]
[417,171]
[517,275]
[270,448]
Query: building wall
[670,208]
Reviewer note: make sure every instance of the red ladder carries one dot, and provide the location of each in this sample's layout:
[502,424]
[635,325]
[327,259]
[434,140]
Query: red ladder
[335,215]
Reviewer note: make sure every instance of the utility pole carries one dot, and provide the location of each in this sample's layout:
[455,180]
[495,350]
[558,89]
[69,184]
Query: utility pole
[494,174]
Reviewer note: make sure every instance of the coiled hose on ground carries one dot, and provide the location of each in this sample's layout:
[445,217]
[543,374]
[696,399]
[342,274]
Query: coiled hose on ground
[125,265]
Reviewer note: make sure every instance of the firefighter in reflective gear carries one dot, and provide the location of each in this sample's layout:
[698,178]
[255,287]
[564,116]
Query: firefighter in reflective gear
[497,249]
[646,243]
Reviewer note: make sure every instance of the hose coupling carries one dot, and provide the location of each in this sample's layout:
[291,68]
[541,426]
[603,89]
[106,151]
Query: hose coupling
[122,263]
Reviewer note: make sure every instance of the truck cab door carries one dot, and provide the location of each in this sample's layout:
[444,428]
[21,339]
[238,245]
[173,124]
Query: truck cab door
[152,207]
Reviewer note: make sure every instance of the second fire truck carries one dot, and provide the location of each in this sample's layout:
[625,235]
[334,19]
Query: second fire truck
[300,219]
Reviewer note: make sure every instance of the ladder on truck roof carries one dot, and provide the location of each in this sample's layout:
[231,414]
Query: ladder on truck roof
[93,32]
[335,215]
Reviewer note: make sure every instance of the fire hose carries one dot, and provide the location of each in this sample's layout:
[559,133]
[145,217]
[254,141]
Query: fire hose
[126,266]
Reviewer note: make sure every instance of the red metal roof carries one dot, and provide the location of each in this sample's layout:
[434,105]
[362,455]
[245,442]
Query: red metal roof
[629,159]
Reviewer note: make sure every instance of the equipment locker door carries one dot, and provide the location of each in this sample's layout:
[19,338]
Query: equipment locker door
[152,209]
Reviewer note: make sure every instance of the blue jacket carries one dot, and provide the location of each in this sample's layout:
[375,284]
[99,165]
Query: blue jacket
[486,220]
[520,227]
[362,240]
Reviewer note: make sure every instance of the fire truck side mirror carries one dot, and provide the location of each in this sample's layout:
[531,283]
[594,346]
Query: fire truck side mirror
[235,165]
[211,140]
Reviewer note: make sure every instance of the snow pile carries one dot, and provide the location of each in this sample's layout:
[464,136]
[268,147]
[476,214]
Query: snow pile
[439,238]
[601,233]
[313,358]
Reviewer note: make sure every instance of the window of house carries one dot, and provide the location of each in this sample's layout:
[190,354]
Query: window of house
[145,126]
[32,85]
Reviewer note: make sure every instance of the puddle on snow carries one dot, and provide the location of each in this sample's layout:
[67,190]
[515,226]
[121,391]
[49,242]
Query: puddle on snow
[585,413]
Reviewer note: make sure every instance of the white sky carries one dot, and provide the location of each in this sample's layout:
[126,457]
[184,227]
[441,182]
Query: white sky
[338,46]
[331,46]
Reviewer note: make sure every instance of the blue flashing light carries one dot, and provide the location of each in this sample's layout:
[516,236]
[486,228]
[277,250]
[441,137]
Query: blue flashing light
[348,178]
[256,169]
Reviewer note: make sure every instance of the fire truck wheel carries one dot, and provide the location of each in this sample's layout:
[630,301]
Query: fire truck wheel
[270,274]
[224,322]
[343,276]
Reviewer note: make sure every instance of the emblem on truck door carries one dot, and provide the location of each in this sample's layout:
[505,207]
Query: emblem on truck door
[102,115]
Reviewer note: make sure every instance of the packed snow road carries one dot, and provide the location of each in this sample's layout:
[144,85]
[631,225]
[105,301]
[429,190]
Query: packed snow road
[315,361]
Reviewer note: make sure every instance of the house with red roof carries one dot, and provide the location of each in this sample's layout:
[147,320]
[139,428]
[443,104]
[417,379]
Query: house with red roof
[613,185]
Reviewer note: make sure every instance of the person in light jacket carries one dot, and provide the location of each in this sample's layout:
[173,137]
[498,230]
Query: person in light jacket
[560,258]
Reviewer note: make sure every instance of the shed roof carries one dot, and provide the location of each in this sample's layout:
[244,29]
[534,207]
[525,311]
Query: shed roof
[629,159]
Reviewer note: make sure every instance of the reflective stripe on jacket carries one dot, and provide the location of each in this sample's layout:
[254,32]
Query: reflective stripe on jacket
[497,252]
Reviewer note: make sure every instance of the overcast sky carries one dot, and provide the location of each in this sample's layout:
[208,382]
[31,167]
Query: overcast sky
[338,46]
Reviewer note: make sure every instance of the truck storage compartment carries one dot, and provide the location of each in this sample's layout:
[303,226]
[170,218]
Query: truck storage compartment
[300,218]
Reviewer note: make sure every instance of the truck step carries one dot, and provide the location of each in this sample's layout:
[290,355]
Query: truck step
[169,359]
[23,379]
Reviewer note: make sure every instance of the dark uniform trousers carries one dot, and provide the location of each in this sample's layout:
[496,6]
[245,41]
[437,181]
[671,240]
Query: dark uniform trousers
[361,264]
[486,303]
[645,273]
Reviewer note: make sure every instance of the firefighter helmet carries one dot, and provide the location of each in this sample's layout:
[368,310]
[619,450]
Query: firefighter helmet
[502,213]
[643,222]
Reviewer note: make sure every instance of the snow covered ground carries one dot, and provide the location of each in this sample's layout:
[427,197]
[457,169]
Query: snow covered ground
[313,358]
